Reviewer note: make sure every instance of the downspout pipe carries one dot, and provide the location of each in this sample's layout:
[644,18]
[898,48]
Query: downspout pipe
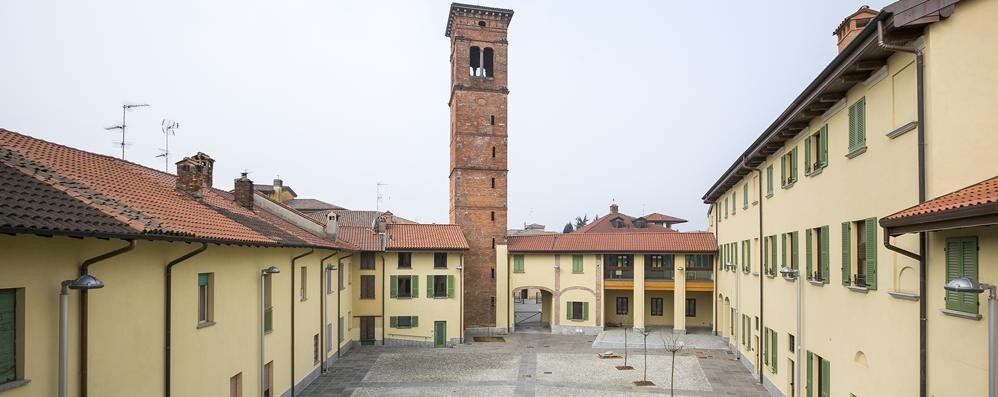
[762,322]
[322,309]
[84,301]
[384,281]
[923,246]
[717,273]
[168,318]
[293,269]
[339,264]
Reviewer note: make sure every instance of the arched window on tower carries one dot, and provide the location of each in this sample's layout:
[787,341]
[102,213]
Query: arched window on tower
[487,62]
[475,56]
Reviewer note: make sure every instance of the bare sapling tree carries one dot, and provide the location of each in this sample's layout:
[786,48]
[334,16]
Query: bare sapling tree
[673,343]
[644,381]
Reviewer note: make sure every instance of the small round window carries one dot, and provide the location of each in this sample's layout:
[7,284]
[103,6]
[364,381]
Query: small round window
[481,23]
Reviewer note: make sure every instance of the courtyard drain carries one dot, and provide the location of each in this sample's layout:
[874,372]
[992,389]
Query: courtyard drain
[489,339]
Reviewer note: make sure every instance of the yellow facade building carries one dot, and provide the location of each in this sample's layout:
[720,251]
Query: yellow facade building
[818,298]
[171,287]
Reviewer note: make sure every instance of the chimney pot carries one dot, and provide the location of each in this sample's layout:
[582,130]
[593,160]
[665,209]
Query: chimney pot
[244,191]
[194,174]
[332,225]
[852,25]
[614,208]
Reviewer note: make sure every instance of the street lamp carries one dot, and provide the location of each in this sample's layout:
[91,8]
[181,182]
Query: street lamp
[84,282]
[263,318]
[965,284]
[794,274]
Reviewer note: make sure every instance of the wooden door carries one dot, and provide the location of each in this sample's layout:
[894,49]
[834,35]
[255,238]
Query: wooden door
[367,329]
[439,333]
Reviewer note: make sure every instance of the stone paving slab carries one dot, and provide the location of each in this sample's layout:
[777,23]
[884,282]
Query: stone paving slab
[614,339]
[469,391]
[430,365]
[588,369]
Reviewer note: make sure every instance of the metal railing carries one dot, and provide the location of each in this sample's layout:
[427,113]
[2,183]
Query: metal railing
[705,275]
[619,273]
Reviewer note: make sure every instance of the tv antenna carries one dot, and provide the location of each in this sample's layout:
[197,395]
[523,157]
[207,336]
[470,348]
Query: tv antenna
[377,205]
[124,108]
[169,127]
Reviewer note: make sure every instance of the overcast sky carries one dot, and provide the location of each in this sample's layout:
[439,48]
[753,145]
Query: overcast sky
[645,103]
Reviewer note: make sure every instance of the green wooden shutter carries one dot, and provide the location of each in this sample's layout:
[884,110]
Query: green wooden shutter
[769,180]
[414,320]
[846,253]
[576,263]
[394,323]
[568,311]
[8,335]
[517,263]
[793,164]
[450,286]
[794,250]
[810,376]
[748,256]
[773,346]
[871,253]
[585,311]
[824,146]
[202,279]
[961,261]
[745,196]
[823,260]
[852,128]
[807,154]
[394,285]
[415,287]
[783,169]
[431,282]
[783,246]
[861,120]
[808,253]
[765,255]
[826,378]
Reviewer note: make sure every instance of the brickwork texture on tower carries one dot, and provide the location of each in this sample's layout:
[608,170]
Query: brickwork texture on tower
[478,142]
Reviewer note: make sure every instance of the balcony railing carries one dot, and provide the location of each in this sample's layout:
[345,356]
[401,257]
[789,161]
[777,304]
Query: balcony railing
[660,274]
[619,273]
[859,280]
[268,319]
[705,275]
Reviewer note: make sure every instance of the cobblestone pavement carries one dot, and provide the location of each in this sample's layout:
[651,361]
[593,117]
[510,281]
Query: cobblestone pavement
[529,365]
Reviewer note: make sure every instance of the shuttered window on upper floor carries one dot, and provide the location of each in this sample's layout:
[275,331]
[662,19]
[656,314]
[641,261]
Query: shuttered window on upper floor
[788,168]
[859,253]
[745,191]
[816,254]
[857,125]
[769,181]
[517,263]
[816,151]
[961,261]
[8,335]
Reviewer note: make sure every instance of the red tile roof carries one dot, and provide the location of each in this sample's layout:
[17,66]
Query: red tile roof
[615,242]
[603,225]
[143,198]
[656,217]
[975,200]
[364,238]
[414,236]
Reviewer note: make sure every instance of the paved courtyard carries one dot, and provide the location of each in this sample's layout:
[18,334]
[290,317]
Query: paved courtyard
[528,365]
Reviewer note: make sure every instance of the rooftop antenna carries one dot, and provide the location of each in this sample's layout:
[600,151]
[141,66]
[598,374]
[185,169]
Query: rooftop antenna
[169,128]
[377,205]
[124,109]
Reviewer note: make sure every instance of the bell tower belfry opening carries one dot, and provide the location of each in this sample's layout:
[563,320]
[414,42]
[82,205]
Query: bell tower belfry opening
[478,143]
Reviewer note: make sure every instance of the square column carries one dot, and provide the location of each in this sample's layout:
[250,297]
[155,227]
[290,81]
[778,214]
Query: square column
[639,292]
[679,296]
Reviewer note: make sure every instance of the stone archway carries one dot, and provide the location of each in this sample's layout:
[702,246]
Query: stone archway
[533,316]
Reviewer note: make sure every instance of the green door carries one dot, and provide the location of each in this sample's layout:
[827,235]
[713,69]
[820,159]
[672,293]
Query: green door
[439,333]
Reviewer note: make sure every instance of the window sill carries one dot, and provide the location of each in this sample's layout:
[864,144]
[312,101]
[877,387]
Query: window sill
[268,332]
[205,324]
[578,273]
[14,384]
[815,171]
[788,185]
[755,274]
[403,297]
[789,278]
[854,288]
[902,129]
[908,296]
[440,268]
[856,152]
[769,195]
[957,313]
[440,297]
[518,272]
[771,275]
[817,283]
[404,268]
[367,299]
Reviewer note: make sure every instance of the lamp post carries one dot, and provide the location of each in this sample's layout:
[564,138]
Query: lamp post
[263,320]
[85,282]
[965,284]
[788,272]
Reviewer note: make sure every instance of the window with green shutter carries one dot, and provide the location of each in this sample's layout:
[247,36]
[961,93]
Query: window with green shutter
[745,196]
[961,261]
[577,264]
[871,252]
[734,202]
[857,125]
[794,251]
[517,263]
[205,299]
[788,167]
[393,286]
[846,253]
[809,384]
[773,344]
[769,181]
[816,151]
[8,335]
[809,253]
[450,286]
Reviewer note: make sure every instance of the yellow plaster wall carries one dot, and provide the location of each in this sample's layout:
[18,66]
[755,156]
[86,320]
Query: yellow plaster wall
[427,308]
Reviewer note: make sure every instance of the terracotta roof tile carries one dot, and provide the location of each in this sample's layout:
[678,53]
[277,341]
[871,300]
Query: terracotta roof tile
[310,205]
[143,198]
[405,236]
[364,238]
[603,225]
[977,195]
[656,217]
[615,242]
[354,218]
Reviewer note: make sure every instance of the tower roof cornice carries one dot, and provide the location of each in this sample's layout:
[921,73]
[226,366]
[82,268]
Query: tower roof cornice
[457,9]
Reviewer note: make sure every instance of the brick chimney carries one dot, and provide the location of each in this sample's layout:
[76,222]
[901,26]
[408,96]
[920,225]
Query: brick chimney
[614,208]
[194,174]
[852,25]
[244,191]
[278,186]
[381,223]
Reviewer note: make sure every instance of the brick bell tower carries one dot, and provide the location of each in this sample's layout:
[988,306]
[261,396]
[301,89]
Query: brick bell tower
[478,147]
